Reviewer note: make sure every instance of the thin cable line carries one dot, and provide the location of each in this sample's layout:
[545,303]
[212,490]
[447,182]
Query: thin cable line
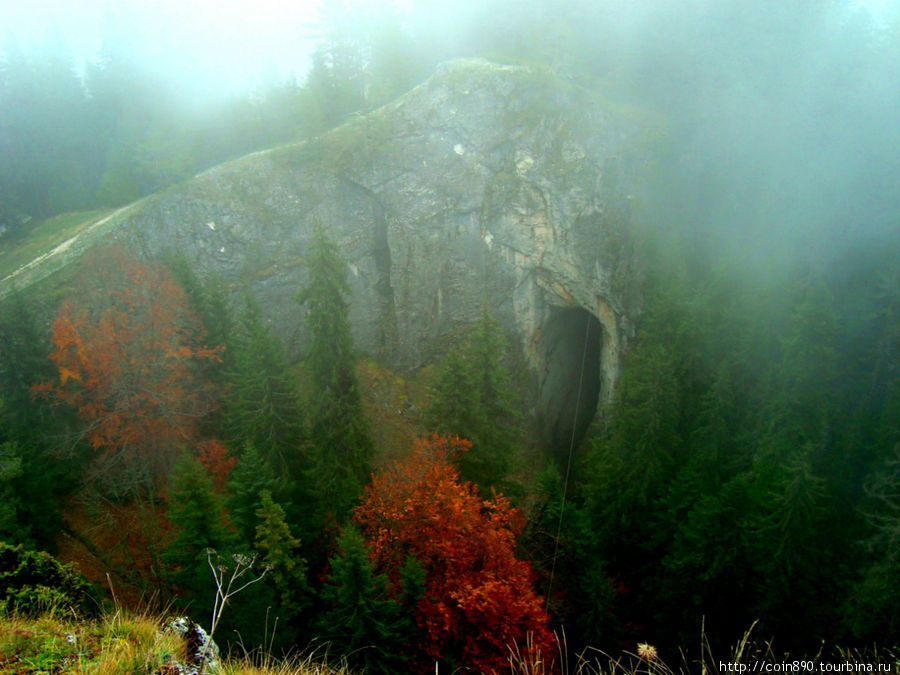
[562,506]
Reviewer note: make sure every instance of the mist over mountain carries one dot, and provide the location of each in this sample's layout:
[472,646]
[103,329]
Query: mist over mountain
[779,113]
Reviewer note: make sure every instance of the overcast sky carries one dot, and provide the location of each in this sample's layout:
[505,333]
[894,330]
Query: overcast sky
[232,46]
[235,45]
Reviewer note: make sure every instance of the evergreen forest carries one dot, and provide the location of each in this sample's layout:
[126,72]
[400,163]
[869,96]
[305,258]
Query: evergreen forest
[745,475]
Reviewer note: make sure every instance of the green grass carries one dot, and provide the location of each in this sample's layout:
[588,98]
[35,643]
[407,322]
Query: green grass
[120,644]
[115,644]
[35,239]
[124,643]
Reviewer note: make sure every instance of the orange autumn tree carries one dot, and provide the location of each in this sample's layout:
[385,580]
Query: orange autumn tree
[127,355]
[213,456]
[478,601]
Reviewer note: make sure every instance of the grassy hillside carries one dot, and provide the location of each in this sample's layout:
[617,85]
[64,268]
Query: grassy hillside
[34,240]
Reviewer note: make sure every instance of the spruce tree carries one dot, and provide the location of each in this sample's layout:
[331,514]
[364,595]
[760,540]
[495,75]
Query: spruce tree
[252,475]
[472,398]
[362,621]
[195,511]
[12,527]
[341,446]
[272,615]
[279,549]
[36,476]
[263,403]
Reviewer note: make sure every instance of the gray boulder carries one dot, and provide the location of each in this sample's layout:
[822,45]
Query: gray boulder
[202,652]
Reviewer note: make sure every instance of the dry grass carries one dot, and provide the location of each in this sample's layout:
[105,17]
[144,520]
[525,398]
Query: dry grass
[120,644]
[747,655]
[127,644]
[58,643]
[310,664]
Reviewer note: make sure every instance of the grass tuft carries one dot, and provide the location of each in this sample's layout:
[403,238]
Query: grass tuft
[127,643]
[121,643]
[747,655]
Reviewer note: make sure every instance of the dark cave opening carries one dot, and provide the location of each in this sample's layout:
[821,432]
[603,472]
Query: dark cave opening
[571,341]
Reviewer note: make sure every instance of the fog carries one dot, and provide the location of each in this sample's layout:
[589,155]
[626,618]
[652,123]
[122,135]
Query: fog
[241,44]
[781,117]
[745,472]
[206,49]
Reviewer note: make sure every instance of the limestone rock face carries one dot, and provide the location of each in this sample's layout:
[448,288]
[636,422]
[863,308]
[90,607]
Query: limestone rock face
[487,183]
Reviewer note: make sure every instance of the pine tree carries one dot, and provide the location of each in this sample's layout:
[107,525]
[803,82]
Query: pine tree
[806,383]
[564,550]
[46,141]
[209,301]
[797,470]
[873,609]
[127,358]
[272,615]
[626,469]
[710,564]
[338,79]
[341,445]
[23,361]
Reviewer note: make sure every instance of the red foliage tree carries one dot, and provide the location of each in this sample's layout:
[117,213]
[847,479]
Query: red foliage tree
[127,359]
[478,601]
[214,457]
[116,542]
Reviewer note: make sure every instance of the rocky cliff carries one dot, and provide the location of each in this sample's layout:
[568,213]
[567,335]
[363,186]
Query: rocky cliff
[488,184]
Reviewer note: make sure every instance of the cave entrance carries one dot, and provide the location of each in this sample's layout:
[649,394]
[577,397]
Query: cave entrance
[572,336]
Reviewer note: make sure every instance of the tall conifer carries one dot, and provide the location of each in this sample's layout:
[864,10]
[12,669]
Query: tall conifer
[195,511]
[280,550]
[472,398]
[263,404]
[362,620]
[341,446]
